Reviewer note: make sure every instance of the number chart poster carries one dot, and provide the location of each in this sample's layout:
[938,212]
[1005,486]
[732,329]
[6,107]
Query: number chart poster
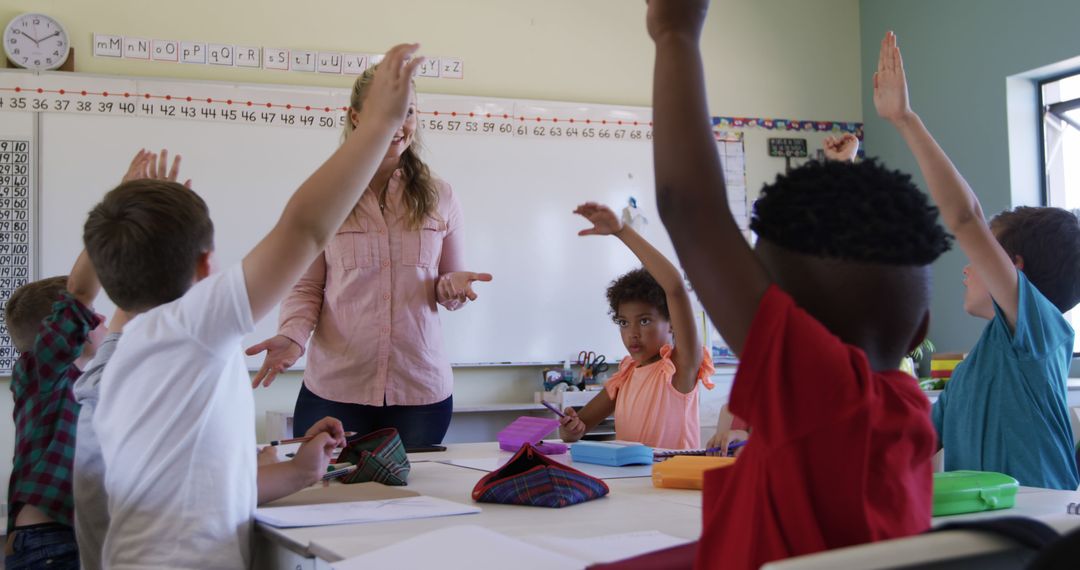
[15,232]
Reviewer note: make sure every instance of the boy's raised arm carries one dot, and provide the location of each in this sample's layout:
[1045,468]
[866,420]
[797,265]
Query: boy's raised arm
[690,191]
[960,209]
[83,281]
[323,201]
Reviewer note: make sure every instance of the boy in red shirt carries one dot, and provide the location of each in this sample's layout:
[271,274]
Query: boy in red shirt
[820,312]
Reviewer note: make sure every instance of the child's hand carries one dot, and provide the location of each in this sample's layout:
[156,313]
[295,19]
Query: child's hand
[281,353]
[723,439]
[146,164]
[458,285]
[330,426]
[843,148]
[391,89]
[675,17]
[890,83]
[268,456]
[571,428]
[604,221]
[312,458]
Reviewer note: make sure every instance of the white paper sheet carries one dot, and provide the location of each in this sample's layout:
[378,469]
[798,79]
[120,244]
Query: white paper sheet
[470,547]
[361,512]
[461,547]
[609,548]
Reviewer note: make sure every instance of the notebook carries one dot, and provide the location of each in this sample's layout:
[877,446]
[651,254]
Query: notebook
[666,453]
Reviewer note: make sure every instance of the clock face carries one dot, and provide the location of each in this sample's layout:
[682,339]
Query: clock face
[36,41]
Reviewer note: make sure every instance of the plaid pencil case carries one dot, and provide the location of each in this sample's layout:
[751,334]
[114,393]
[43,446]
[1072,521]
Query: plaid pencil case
[378,456]
[531,478]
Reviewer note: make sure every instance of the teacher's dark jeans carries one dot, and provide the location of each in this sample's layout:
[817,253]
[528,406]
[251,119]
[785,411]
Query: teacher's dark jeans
[417,425]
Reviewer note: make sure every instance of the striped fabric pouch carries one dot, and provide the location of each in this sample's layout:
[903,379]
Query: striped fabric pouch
[379,456]
[531,478]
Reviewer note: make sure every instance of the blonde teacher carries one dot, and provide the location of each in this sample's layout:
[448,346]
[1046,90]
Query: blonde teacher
[376,358]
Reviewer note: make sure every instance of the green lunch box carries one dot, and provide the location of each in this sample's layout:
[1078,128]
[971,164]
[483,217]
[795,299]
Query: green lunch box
[957,492]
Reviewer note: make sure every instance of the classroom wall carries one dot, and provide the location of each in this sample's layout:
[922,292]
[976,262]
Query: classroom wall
[764,58]
[957,55]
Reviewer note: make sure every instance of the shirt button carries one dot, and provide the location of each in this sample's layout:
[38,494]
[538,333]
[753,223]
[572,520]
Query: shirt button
[380,230]
[386,297]
[386,263]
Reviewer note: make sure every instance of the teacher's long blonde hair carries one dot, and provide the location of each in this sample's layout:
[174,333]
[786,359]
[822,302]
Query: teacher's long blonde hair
[421,197]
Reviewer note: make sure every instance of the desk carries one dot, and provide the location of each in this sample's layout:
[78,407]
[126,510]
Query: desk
[1046,505]
[633,505]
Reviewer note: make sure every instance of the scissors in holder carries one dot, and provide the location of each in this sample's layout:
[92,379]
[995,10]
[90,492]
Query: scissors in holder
[591,363]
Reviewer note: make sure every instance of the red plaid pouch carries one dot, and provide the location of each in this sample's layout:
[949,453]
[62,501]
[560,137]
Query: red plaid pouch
[531,478]
[379,456]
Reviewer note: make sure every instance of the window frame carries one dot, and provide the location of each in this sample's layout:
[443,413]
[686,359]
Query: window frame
[1058,110]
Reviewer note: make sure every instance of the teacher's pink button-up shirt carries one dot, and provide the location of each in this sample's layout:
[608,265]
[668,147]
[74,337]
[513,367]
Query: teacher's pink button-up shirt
[371,301]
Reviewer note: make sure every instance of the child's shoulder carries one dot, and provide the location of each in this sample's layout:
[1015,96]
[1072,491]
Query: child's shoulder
[1038,318]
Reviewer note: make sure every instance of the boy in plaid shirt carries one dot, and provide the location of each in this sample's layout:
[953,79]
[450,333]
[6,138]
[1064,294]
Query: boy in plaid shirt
[56,332]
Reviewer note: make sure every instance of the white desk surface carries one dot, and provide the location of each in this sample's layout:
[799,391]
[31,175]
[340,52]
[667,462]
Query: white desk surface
[633,505]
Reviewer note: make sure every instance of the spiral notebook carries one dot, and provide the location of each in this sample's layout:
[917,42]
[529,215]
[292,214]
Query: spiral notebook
[666,453]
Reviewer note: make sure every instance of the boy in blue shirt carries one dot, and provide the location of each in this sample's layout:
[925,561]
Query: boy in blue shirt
[1004,408]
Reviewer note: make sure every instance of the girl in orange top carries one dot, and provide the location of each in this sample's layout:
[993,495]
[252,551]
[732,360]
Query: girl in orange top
[654,394]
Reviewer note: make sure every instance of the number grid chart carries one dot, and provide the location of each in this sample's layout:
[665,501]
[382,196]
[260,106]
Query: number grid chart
[16,212]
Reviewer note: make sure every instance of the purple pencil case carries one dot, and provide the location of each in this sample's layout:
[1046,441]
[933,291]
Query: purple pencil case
[528,429]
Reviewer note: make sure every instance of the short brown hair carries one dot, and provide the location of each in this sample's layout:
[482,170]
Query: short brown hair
[1048,240]
[637,285]
[145,239]
[28,306]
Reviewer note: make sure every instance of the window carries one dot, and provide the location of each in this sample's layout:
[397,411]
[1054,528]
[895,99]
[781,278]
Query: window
[1061,151]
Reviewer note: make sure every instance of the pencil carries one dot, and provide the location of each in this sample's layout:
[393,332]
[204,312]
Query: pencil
[549,406]
[348,434]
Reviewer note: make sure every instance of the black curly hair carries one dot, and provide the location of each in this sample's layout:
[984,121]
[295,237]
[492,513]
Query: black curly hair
[860,212]
[637,285]
[1048,240]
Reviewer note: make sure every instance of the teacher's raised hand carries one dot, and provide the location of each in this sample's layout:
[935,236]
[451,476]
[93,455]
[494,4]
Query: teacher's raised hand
[281,353]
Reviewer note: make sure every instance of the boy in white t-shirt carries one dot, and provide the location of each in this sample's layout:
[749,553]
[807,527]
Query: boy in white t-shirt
[175,417]
[91,501]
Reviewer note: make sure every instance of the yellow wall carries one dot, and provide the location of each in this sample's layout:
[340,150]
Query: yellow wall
[794,58]
[764,58]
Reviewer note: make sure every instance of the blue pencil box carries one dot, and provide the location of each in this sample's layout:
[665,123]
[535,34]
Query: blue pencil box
[611,453]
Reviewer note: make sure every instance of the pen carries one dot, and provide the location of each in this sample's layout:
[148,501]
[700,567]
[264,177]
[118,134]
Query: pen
[731,447]
[348,434]
[349,468]
[551,407]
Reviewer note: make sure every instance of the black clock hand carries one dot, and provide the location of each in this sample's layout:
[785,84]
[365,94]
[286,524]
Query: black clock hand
[32,38]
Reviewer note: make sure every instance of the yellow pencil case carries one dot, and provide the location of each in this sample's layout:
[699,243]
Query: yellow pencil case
[944,364]
[686,471]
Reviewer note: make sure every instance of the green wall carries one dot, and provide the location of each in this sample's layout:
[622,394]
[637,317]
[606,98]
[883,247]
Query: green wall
[958,54]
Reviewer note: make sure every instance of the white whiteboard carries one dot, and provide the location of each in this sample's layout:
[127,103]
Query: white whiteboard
[517,190]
